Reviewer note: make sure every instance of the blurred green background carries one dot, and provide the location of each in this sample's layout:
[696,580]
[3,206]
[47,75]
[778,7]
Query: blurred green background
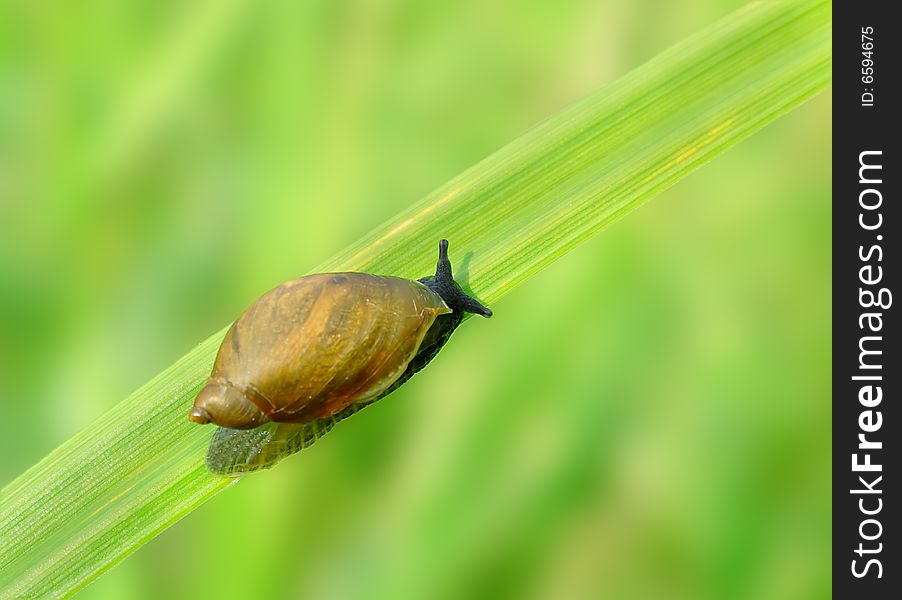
[647,418]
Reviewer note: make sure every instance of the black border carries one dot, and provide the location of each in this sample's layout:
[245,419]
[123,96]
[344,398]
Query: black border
[858,128]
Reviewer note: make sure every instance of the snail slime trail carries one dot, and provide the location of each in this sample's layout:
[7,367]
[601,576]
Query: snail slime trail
[317,349]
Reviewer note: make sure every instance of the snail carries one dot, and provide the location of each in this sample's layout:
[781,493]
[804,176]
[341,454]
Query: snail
[318,348]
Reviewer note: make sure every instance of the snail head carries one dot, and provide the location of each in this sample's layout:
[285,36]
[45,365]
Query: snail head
[443,284]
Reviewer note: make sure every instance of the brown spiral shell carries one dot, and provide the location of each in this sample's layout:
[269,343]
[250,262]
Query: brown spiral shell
[313,346]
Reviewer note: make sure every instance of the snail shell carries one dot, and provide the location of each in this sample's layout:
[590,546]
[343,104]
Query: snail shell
[314,345]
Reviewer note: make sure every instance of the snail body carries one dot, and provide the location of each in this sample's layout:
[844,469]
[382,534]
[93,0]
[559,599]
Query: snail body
[314,346]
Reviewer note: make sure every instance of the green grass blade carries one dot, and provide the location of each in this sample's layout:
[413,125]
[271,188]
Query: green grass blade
[139,468]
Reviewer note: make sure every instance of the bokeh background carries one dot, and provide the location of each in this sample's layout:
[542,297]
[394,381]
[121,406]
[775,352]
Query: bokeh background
[647,418]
